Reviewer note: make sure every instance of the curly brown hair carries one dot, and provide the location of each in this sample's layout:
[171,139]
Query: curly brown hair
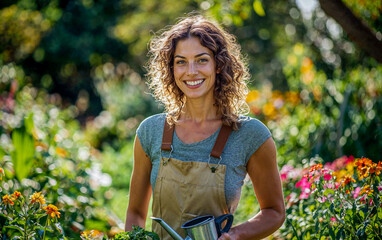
[230,87]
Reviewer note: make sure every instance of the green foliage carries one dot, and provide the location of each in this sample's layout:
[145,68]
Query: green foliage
[321,115]
[23,154]
[137,233]
[62,160]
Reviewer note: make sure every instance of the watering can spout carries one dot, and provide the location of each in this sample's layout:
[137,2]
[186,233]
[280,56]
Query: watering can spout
[170,231]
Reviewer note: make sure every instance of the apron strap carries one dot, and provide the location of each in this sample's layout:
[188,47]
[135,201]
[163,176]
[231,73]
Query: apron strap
[221,140]
[168,131]
[217,150]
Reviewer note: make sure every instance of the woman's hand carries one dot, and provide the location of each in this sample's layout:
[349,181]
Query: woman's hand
[225,236]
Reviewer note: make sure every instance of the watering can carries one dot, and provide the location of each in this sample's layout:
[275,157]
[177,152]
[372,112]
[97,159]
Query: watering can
[201,228]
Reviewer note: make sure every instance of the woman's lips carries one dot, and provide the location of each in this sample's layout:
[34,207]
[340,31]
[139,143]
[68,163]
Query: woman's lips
[194,83]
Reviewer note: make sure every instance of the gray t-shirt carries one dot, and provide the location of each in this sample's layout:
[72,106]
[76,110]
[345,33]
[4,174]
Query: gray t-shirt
[240,146]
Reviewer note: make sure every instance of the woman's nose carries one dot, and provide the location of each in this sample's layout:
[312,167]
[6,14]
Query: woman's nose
[191,69]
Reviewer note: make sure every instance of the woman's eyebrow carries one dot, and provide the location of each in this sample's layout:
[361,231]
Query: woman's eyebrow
[198,55]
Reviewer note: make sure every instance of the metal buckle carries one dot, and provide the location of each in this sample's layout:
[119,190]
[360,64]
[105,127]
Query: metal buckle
[166,161]
[213,169]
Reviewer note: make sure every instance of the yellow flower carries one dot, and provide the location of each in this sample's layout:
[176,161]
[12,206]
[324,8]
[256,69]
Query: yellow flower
[366,189]
[252,96]
[52,211]
[1,173]
[61,152]
[38,197]
[269,110]
[7,200]
[92,234]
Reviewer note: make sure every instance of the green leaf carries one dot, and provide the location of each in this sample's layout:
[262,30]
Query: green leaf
[22,156]
[258,7]
[331,232]
[16,227]
[331,208]
[329,191]
[29,123]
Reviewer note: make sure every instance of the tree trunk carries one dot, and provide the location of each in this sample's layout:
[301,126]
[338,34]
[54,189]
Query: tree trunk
[356,29]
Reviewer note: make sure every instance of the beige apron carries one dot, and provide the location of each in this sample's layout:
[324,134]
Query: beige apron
[185,190]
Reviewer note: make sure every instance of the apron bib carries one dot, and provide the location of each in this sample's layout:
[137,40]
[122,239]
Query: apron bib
[185,190]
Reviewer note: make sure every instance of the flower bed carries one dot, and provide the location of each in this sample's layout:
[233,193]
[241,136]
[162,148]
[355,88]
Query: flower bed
[341,200]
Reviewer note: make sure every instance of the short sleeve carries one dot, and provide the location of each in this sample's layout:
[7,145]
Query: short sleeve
[149,130]
[255,133]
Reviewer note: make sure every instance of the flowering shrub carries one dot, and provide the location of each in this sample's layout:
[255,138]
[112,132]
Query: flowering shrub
[341,199]
[42,148]
[137,233]
[23,219]
[326,114]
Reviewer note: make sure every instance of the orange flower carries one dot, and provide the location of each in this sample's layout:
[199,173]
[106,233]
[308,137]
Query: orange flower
[376,168]
[16,195]
[38,197]
[366,189]
[293,98]
[346,180]
[52,211]
[363,167]
[7,200]
[315,167]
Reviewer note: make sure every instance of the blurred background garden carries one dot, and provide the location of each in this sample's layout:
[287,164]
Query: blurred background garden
[73,91]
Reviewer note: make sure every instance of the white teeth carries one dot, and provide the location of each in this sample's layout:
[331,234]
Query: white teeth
[193,83]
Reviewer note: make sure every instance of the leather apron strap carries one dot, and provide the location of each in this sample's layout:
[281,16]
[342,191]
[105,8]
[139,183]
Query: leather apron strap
[217,150]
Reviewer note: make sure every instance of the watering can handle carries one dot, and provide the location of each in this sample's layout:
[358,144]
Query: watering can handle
[219,220]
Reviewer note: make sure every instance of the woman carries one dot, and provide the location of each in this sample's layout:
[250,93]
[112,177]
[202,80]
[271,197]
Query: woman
[194,158]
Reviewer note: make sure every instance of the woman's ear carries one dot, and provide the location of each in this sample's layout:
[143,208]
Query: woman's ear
[218,70]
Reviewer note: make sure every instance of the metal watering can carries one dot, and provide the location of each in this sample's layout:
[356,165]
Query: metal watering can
[201,228]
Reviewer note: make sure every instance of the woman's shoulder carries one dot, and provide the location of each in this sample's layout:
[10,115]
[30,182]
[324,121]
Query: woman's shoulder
[152,123]
[248,123]
[154,119]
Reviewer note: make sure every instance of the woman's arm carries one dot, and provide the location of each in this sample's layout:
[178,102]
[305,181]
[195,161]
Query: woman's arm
[140,189]
[263,171]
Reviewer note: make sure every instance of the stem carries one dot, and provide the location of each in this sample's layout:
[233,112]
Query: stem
[46,223]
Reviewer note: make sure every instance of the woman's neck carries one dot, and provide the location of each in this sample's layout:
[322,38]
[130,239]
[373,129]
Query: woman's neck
[198,111]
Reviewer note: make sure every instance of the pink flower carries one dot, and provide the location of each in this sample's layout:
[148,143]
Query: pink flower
[329,185]
[303,183]
[356,192]
[333,219]
[327,176]
[304,195]
[339,163]
[284,172]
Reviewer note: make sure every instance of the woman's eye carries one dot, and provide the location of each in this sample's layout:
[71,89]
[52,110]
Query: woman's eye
[203,60]
[180,62]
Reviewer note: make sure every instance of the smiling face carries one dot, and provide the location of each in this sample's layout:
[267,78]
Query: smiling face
[194,69]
